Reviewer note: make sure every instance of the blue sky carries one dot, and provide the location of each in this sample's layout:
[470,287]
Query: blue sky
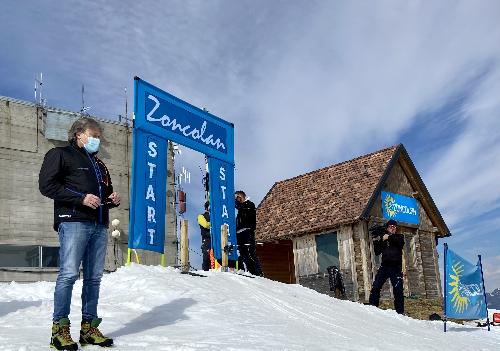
[306,83]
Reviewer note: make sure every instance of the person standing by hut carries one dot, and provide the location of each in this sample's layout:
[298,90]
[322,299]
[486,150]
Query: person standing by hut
[245,233]
[390,245]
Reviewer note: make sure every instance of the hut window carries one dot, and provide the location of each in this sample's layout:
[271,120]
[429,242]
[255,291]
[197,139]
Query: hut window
[327,248]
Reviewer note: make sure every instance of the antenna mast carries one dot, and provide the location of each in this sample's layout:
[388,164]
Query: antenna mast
[84,108]
[120,117]
[39,100]
[126,105]
[83,99]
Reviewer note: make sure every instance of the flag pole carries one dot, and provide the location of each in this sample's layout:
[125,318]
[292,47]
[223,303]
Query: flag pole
[445,246]
[484,292]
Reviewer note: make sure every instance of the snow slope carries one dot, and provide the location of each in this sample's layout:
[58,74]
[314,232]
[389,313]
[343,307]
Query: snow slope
[156,308]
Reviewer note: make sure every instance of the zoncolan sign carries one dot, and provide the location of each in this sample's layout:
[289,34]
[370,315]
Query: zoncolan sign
[182,123]
[400,208]
[161,117]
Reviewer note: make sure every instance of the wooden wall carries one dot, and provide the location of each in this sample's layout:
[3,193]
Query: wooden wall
[307,269]
[363,258]
[421,269]
[276,259]
[348,261]
[305,256]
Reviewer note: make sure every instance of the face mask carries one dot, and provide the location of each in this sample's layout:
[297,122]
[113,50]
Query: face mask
[92,145]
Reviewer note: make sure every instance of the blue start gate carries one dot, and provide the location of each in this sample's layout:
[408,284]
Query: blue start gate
[160,117]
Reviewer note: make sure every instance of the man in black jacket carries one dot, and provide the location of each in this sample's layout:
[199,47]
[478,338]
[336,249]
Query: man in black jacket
[245,233]
[390,245]
[206,246]
[80,185]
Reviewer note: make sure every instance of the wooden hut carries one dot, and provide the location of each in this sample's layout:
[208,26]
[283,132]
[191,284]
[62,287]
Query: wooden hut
[322,218]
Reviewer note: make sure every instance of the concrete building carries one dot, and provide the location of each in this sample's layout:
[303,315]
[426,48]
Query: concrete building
[28,243]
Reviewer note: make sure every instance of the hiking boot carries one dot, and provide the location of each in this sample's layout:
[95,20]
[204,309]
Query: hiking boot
[61,336]
[91,335]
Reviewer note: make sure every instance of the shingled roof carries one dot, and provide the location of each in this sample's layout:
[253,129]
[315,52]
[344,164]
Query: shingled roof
[326,198]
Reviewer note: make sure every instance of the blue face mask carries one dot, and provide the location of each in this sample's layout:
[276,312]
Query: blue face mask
[92,145]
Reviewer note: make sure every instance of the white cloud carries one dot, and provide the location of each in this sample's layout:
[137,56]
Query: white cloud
[307,84]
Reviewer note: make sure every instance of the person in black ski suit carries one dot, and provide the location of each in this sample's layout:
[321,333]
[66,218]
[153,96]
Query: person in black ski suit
[245,233]
[390,245]
[206,246]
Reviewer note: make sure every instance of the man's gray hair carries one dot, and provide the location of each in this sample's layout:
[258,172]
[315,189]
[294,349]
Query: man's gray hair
[81,125]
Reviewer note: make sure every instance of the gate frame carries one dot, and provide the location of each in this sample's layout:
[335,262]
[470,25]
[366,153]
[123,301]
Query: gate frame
[202,132]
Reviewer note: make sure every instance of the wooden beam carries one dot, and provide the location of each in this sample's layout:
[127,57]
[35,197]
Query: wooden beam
[223,247]
[347,257]
[436,265]
[423,196]
[363,235]
[184,246]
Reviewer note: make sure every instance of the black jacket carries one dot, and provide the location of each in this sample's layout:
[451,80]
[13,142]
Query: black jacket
[246,218]
[67,175]
[391,250]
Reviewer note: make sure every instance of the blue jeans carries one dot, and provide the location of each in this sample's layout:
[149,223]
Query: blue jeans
[85,243]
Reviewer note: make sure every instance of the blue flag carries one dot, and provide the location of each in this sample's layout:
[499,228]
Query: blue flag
[464,292]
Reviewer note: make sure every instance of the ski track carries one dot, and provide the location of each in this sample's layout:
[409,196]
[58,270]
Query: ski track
[295,313]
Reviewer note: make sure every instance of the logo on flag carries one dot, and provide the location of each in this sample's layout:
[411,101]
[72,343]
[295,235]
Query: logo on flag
[464,292]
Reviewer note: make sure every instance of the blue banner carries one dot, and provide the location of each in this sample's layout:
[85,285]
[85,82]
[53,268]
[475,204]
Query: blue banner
[222,211]
[464,292]
[148,193]
[400,208]
[169,117]
[161,117]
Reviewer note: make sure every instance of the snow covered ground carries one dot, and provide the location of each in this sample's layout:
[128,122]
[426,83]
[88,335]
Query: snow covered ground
[156,308]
